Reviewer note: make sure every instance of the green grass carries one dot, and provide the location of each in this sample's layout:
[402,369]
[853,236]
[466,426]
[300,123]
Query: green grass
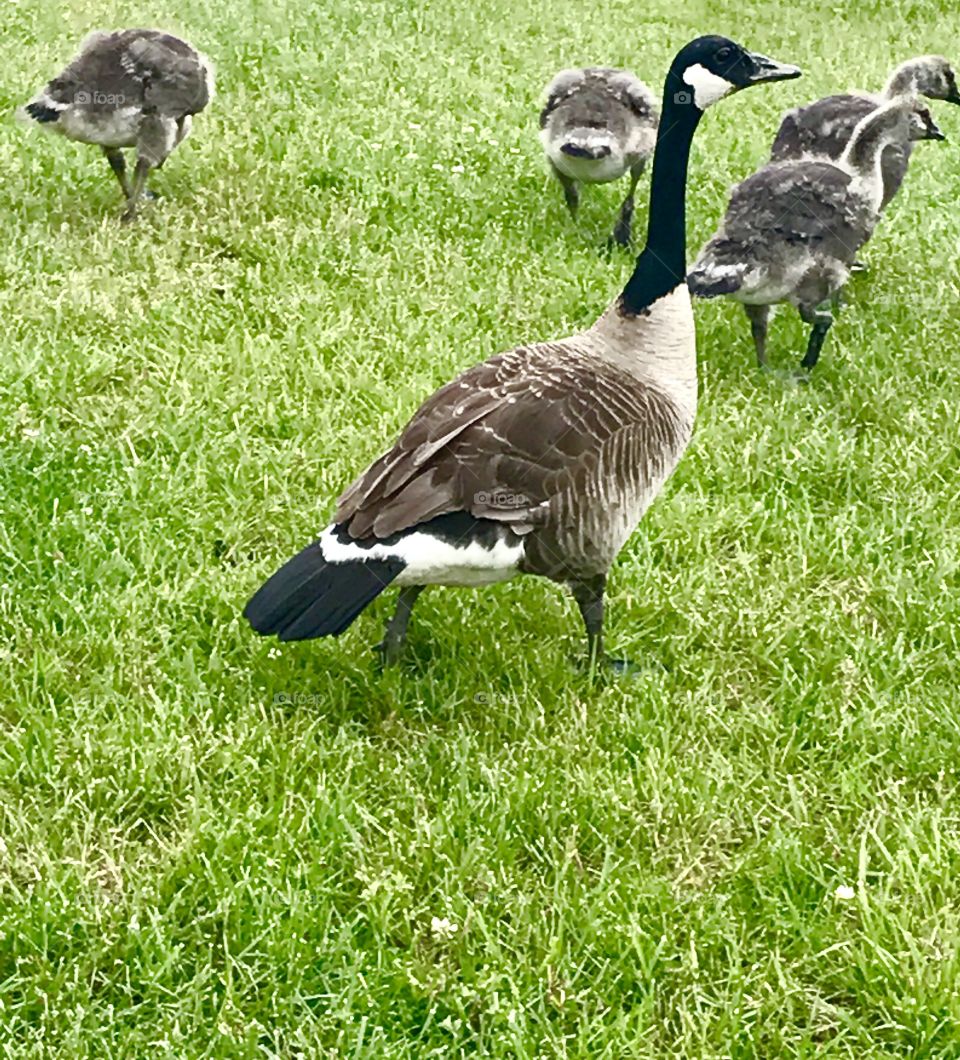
[210,846]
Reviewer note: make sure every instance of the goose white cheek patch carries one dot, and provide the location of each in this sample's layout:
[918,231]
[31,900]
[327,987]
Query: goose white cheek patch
[707,87]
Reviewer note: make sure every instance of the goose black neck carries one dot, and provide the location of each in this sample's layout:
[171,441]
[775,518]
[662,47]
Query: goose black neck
[662,263]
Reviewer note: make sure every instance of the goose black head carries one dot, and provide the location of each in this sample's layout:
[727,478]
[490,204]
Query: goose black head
[713,67]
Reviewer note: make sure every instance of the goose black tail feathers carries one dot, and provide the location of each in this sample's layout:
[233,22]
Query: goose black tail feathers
[42,113]
[309,597]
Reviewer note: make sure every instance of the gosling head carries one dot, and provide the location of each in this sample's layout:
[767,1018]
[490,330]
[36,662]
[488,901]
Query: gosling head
[928,75]
[905,119]
[922,125]
[710,68]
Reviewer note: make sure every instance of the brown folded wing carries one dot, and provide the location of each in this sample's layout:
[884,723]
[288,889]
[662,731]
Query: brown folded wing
[499,442]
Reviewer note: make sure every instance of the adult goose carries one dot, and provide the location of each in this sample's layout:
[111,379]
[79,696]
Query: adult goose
[129,88]
[792,229]
[823,129]
[597,124]
[540,460]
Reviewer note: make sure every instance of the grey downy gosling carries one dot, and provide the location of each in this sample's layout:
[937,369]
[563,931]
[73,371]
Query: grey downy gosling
[792,230]
[823,129]
[540,460]
[596,125]
[128,88]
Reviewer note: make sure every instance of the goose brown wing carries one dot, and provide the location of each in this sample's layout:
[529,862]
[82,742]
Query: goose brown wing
[498,442]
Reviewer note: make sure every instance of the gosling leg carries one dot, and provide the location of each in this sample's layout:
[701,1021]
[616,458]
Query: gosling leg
[137,189]
[622,229]
[119,166]
[571,194]
[759,317]
[820,319]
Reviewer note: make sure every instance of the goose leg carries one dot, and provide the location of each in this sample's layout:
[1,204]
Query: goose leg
[395,634]
[621,230]
[570,193]
[589,597]
[119,166]
[820,320]
[759,317]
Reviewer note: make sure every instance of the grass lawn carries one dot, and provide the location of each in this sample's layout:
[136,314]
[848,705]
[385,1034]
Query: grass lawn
[212,846]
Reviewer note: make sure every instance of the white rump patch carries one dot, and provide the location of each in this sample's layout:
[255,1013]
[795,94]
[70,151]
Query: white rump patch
[707,87]
[432,561]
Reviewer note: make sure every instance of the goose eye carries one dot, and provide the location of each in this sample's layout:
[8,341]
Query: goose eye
[723,55]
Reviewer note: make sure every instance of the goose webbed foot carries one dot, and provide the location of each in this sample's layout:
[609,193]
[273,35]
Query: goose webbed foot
[786,376]
[620,667]
[133,204]
[601,665]
[390,649]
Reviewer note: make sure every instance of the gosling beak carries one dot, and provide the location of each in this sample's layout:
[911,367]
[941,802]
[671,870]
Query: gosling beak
[934,132]
[767,69]
[954,96]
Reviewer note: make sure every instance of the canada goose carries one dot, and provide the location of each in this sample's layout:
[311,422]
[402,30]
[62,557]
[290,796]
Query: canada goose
[540,460]
[128,88]
[598,123]
[823,129]
[792,229]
